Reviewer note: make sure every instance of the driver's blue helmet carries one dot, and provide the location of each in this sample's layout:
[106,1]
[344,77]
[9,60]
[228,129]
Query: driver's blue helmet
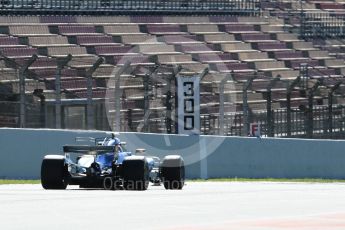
[115,141]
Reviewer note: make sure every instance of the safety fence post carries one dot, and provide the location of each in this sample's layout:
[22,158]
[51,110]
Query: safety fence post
[246,117]
[309,110]
[90,112]
[227,78]
[270,117]
[289,90]
[118,94]
[61,64]
[330,106]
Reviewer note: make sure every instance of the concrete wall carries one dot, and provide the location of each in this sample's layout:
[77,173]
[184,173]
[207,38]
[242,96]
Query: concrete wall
[22,150]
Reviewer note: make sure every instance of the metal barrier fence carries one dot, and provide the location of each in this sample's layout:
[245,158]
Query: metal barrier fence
[322,25]
[143,99]
[308,23]
[299,125]
[130,6]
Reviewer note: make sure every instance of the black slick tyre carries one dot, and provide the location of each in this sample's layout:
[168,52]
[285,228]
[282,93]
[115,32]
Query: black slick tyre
[135,173]
[173,172]
[54,172]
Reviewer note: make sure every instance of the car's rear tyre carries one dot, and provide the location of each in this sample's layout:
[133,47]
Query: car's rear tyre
[54,173]
[173,172]
[135,173]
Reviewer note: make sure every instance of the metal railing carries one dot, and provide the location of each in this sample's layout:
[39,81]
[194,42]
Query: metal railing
[298,126]
[322,25]
[130,6]
[146,101]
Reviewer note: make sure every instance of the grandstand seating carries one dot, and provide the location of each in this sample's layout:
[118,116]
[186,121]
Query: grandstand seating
[244,46]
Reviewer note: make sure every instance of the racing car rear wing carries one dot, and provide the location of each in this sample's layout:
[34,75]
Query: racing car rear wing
[86,149]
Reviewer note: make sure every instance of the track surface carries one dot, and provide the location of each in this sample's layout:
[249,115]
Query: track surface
[202,206]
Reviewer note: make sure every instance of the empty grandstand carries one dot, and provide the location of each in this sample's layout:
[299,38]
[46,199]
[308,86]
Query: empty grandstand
[103,64]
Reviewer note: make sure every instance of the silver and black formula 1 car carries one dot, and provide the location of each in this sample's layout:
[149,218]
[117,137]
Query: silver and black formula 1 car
[106,164]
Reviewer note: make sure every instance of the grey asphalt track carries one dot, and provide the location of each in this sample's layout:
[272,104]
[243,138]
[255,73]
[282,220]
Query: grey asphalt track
[202,206]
